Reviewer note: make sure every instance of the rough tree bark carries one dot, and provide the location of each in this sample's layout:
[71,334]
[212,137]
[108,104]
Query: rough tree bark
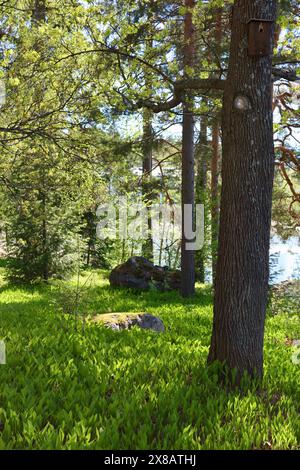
[43,200]
[147,247]
[201,182]
[246,199]
[39,12]
[216,156]
[188,170]
[214,191]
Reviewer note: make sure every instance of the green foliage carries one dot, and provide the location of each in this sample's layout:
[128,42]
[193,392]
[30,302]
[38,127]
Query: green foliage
[42,213]
[285,298]
[285,215]
[63,389]
[72,78]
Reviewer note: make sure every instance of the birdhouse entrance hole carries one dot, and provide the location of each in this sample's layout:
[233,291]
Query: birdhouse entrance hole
[259,37]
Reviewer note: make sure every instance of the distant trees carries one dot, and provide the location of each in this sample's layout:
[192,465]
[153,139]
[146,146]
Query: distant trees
[49,154]
[44,200]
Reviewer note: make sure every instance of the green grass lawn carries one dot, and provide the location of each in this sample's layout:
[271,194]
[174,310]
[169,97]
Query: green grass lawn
[100,389]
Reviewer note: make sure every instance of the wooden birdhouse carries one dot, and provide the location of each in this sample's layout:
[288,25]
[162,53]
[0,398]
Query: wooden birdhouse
[259,37]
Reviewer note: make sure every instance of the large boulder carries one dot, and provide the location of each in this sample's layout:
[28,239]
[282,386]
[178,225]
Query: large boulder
[125,321]
[140,273]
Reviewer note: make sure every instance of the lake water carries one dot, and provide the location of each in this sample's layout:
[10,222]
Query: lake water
[284,259]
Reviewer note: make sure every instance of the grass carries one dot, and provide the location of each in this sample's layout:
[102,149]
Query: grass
[101,389]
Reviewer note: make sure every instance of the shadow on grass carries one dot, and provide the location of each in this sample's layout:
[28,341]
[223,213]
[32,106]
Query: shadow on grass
[182,316]
[150,298]
[20,287]
[167,395]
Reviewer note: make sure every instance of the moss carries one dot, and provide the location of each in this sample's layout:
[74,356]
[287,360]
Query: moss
[115,318]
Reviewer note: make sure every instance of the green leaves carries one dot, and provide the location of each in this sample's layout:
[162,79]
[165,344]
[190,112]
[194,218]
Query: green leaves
[134,389]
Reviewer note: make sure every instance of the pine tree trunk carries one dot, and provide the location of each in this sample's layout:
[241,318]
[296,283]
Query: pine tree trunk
[39,13]
[215,197]
[216,156]
[188,170]
[246,199]
[88,255]
[45,238]
[147,247]
[187,256]
[201,181]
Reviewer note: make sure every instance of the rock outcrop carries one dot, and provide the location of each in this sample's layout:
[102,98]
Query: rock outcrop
[139,273]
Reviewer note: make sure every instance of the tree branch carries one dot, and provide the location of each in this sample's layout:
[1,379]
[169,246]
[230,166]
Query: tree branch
[179,89]
[286,74]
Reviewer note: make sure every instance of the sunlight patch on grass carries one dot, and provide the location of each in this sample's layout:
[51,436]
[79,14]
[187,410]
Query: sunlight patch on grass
[94,388]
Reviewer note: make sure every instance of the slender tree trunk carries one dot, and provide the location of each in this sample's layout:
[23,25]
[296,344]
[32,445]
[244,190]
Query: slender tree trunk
[201,181]
[123,251]
[161,245]
[45,241]
[175,264]
[7,241]
[216,157]
[147,247]
[88,255]
[91,234]
[39,13]
[215,196]
[246,199]
[44,227]
[188,170]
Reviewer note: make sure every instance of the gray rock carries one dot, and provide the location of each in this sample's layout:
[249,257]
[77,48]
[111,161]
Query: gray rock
[125,321]
[139,273]
[150,322]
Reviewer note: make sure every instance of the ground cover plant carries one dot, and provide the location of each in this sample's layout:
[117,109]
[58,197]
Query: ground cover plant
[75,385]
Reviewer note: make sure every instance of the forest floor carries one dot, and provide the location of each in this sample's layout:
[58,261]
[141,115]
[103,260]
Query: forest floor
[77,385]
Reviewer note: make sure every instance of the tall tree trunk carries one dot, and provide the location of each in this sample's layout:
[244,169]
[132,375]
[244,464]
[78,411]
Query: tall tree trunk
[246,199]
[39,12]
[215,196]
[201,181]
[216,156]
[147,247]
[88,255]
[45,240]
[90,235]
[188,170]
